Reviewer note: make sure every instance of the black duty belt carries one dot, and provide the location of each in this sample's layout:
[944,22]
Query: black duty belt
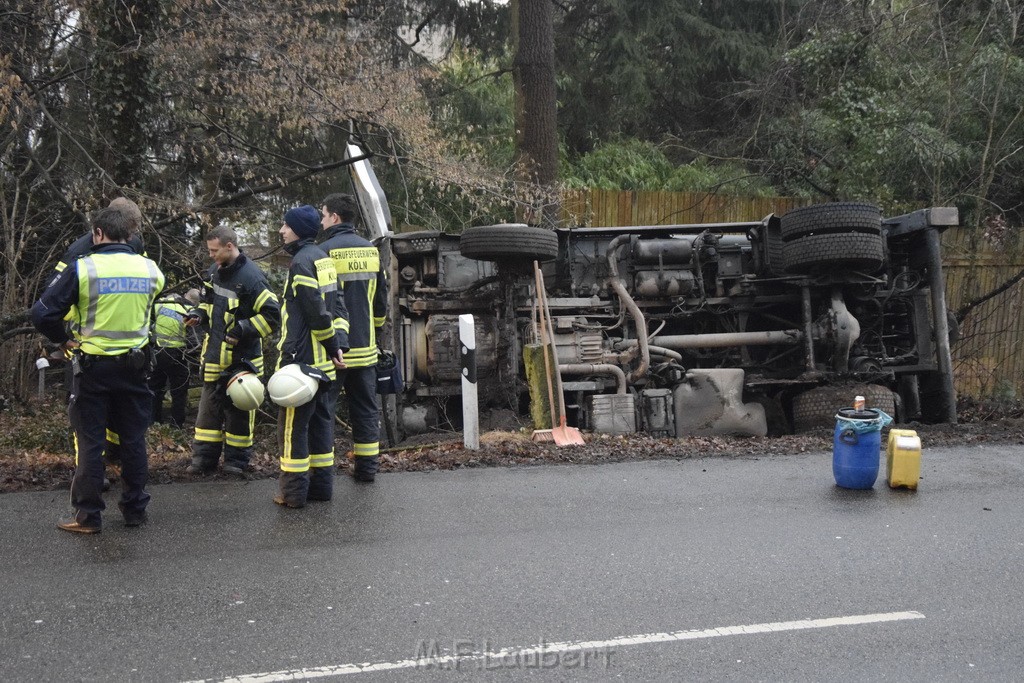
[133,359]
[93,358]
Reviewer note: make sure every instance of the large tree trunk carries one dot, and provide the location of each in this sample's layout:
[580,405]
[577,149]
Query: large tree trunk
[122,86]
[536,101]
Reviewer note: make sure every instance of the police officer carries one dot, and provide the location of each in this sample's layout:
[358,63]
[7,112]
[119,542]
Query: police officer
[365,296]
[79,248]
[311,336]
[169,337]
[239,310]
[112,290]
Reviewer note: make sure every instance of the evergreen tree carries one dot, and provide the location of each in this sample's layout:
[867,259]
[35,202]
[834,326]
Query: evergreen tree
[661,67]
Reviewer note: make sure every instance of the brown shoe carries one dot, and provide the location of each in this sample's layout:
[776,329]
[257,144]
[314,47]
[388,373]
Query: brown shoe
[73,525]
[279,499]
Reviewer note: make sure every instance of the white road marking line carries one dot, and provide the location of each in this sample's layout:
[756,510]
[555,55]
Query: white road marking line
[444,661]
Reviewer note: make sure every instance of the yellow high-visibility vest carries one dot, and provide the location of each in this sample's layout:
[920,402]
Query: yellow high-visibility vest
[115,296]
[169,328]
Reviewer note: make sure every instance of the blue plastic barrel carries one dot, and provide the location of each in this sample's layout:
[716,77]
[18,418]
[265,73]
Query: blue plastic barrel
[855,452]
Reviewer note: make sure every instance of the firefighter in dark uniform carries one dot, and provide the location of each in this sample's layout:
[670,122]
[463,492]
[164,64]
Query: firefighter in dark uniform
[309,336]
[171,372]
[239,310]
[112,290]
[365,295]
[79,248]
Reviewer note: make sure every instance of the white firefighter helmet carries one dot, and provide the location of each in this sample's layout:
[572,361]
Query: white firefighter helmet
[245,390]
[290,387]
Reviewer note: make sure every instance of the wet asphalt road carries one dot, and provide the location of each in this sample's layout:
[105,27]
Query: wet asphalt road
[223,583]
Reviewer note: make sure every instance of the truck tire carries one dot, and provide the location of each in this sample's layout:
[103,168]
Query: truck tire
[815,410]
[774,413]
[773,250]
[843,217]
[514,242]
[850,251]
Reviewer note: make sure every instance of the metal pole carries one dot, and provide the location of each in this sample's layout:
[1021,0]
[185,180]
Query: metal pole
[725,340]
[41,365]
[470,407]
[947,394]
[808,327]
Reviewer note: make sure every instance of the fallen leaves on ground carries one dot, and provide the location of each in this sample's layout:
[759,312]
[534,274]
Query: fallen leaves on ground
[47,463]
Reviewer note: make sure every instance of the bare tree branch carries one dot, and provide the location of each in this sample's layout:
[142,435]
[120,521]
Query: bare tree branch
[12,321]
[259,189]
[57,125]
[11,334]
[968,306]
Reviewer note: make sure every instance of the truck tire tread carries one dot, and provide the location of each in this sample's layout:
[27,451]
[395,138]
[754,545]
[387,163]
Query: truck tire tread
[854,217]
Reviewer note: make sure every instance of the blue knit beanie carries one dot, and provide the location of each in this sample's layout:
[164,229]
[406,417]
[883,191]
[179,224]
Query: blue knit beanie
[303,220]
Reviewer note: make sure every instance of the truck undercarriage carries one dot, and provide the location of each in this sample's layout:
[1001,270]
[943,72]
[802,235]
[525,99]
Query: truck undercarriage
[751,328]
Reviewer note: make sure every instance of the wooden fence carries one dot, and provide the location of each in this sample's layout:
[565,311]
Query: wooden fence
[988,360]
[614,208]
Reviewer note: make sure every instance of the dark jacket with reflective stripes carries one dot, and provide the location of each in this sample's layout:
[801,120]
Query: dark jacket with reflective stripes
[310,304]
[365,288]
[236,302]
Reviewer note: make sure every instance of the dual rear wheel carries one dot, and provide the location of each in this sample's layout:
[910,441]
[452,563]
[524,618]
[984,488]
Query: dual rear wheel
[826,237]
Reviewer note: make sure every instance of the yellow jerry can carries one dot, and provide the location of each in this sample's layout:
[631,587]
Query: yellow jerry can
[903,459]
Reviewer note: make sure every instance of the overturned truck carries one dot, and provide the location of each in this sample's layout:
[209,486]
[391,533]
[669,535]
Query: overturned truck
[752,328]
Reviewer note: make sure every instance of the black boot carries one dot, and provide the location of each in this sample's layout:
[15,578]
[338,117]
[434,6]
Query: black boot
[321,483]
[292,489]
[364,468]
